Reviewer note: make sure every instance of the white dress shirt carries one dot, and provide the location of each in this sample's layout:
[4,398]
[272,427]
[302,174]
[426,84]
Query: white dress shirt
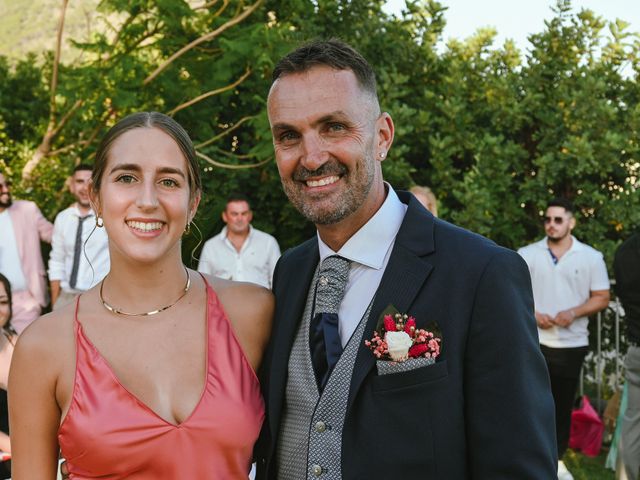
[95,248]
[254,263]
[369,250]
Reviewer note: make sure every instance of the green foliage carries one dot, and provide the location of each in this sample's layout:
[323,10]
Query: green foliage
[493,132]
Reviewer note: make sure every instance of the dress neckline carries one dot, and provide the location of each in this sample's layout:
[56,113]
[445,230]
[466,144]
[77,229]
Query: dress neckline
[144,405]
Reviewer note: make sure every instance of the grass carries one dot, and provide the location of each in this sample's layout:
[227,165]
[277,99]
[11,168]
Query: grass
[588,468]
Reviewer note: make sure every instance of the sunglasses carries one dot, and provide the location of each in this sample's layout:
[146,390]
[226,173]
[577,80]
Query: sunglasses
[556,220]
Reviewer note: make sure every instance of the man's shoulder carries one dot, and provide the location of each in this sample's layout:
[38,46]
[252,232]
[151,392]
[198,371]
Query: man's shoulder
[629,248]
[533,248]
[213,241]
[587,250]
[23,206]
[63,215]
[263,235]
[448,236]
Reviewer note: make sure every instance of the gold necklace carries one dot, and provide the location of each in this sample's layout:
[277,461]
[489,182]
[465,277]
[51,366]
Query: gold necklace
[118,311]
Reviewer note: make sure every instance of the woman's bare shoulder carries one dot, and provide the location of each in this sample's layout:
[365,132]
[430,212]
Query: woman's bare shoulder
[242,294]
[49,335]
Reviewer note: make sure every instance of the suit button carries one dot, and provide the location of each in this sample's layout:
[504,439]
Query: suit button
[316,470]
[320,427]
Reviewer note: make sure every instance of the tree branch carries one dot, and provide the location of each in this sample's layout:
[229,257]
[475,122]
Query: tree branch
[225,133]
[230,166]
[88,141]
[204,38]
[56,64]
[210,93]
[65,119]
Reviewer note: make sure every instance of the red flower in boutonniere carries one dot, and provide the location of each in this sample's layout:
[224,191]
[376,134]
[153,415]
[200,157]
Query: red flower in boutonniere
[400,339]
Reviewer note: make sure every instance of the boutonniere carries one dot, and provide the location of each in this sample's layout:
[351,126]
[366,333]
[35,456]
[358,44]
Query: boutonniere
[398,339]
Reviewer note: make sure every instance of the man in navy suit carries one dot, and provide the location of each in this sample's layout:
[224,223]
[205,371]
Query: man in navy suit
[484,409]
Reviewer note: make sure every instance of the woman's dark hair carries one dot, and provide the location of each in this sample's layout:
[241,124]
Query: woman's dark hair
[7,286]
[149,120]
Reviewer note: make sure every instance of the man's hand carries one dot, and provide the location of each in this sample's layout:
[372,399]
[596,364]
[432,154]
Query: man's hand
[544,321]
[564,318]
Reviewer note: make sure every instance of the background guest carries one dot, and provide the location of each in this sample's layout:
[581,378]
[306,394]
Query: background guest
[426,197]
[240,252]
[23,227]
[79,256]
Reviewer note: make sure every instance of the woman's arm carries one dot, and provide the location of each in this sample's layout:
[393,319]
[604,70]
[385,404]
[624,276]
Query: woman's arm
[34,414]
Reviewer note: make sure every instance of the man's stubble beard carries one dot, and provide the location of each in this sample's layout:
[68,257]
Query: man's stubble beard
[6,204]
[352,197]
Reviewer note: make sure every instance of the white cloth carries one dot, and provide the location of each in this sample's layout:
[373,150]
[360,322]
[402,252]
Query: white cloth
[369,250]
[563,286]
[10,265]
[94,258]
[254,263]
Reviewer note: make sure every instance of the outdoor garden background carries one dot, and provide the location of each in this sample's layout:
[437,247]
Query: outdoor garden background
[493,130]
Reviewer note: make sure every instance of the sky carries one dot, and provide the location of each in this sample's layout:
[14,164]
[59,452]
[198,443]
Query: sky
[516,19]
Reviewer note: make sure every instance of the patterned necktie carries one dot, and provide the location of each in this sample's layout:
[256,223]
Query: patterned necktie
[324,340]
[77,250]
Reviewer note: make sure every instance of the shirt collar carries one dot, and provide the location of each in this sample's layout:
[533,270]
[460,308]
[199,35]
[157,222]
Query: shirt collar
[575,244]
[369,245]
[77,213]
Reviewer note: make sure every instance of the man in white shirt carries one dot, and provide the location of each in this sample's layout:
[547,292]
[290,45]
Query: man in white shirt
[22,228]
[240,252]
[79,251]
[570,282]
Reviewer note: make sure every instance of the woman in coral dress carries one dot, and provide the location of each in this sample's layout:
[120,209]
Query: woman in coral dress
[151,374]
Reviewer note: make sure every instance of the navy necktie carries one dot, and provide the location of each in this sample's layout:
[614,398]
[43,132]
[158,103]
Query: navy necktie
[324,340]
[77,250]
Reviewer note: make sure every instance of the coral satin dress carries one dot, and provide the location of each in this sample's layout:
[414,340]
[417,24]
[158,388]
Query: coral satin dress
[109,433]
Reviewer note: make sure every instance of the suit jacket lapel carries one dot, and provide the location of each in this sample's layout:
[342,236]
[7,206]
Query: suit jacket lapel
[403,278]
[292,289]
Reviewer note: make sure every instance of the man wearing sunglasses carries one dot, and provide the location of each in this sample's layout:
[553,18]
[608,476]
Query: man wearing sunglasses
[570,283]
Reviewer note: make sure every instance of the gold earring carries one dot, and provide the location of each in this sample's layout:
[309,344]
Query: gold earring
[187,229]
[99,222]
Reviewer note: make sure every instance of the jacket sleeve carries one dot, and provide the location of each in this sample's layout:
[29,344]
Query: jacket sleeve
[45,227]
[509,407]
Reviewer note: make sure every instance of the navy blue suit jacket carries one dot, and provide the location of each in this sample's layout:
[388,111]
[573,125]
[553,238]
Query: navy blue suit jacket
[483,411]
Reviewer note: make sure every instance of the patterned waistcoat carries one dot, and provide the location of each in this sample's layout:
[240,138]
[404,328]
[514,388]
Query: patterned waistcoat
[310,440]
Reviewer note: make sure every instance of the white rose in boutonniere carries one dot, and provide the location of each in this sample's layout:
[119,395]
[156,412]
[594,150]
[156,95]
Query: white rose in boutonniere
[399,344]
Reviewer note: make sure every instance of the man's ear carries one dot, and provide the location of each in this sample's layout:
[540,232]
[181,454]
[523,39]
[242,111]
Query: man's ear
[385,131]
[572,222]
